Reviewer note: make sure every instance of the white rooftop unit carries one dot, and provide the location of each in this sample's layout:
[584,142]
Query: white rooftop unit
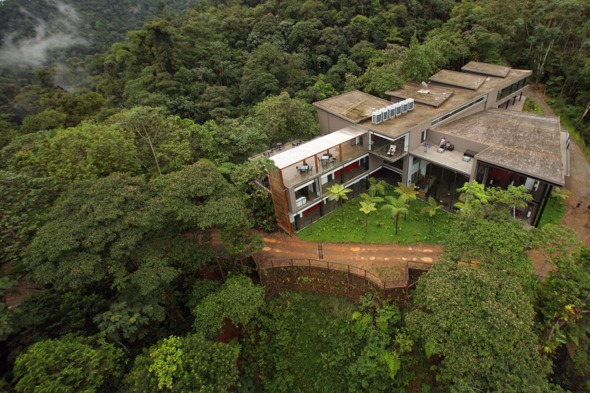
[391,110]
[377,116]
[398,108]
[385,113]
[410,104]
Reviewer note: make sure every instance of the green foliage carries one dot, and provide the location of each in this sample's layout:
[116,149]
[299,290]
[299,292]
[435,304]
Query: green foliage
[24,202]
[417,228]
[553,213]
[532,106]
[308,343]
[517,197]
[337,192]
[218,206]
[126,236]
[396,207]
[475,201]
[423,60]
[500,244]
[70,364]
[238,300]
[283,118]
[88,151]
[162,145]
[480,323]
[46,120]
[128,322]
[6,316]
[268,71]
[432,208]
[183,364]
[93,226]
[562,305]
[247,178]
[367,208]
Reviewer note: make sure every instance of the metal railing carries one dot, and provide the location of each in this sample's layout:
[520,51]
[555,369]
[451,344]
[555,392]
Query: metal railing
[344,268]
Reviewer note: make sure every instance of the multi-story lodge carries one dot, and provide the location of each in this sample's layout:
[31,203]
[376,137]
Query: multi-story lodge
[365,136]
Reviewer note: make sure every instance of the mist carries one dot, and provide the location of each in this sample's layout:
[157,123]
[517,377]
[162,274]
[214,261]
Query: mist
[58,33]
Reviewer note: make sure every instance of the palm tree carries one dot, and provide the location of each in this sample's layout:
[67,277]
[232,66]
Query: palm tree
[561,193]
[407,193]
[432,208]
[375,192]
[337,193]
[396,206]
[367,208]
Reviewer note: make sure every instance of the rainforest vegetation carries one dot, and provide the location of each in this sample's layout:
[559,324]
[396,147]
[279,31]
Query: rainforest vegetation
[127,198]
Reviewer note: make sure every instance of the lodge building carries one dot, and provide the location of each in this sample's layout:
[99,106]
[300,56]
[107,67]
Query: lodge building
[398,140]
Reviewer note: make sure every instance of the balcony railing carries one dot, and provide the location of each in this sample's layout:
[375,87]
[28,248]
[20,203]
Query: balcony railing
[292,177]
[381,149]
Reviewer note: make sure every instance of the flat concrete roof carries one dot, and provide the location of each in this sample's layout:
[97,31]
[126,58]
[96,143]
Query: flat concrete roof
[458,79]
[486,69]
[519,141]
[432,95]
[354,106]
[315,146]
[449,159]
[398,126]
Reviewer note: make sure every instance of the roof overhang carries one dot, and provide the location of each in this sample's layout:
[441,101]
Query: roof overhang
[316,146]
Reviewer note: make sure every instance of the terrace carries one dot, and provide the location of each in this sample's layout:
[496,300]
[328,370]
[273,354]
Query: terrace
[323,155]
[452,160]
[388,149]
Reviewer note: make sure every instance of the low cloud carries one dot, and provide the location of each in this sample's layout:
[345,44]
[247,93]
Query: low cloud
[58,33]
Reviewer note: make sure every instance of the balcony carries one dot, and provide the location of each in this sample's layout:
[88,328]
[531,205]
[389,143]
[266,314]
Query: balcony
[294,175]
[383,149]
[345,177]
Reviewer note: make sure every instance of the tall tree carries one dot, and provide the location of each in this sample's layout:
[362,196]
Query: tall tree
[238,300]
[162,145]
[477,324]
[183,364]
[70,364]
[284,119]
[499,243]
[87,151]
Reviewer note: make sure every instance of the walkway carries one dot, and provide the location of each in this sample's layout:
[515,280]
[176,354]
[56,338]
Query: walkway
[386,261]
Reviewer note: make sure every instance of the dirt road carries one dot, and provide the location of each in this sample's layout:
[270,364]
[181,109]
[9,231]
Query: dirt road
[387,261]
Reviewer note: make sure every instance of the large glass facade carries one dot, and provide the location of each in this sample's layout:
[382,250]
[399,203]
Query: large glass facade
[505,92]
[493,176]
[431,180]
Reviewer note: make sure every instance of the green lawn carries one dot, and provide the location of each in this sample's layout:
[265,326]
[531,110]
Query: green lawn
[553,213]
[532,106]
[416,228]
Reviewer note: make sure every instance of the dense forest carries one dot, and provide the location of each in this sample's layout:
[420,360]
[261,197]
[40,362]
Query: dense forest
[127,197]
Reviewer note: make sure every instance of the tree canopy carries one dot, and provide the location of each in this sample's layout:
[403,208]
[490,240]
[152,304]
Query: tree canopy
[480,324]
